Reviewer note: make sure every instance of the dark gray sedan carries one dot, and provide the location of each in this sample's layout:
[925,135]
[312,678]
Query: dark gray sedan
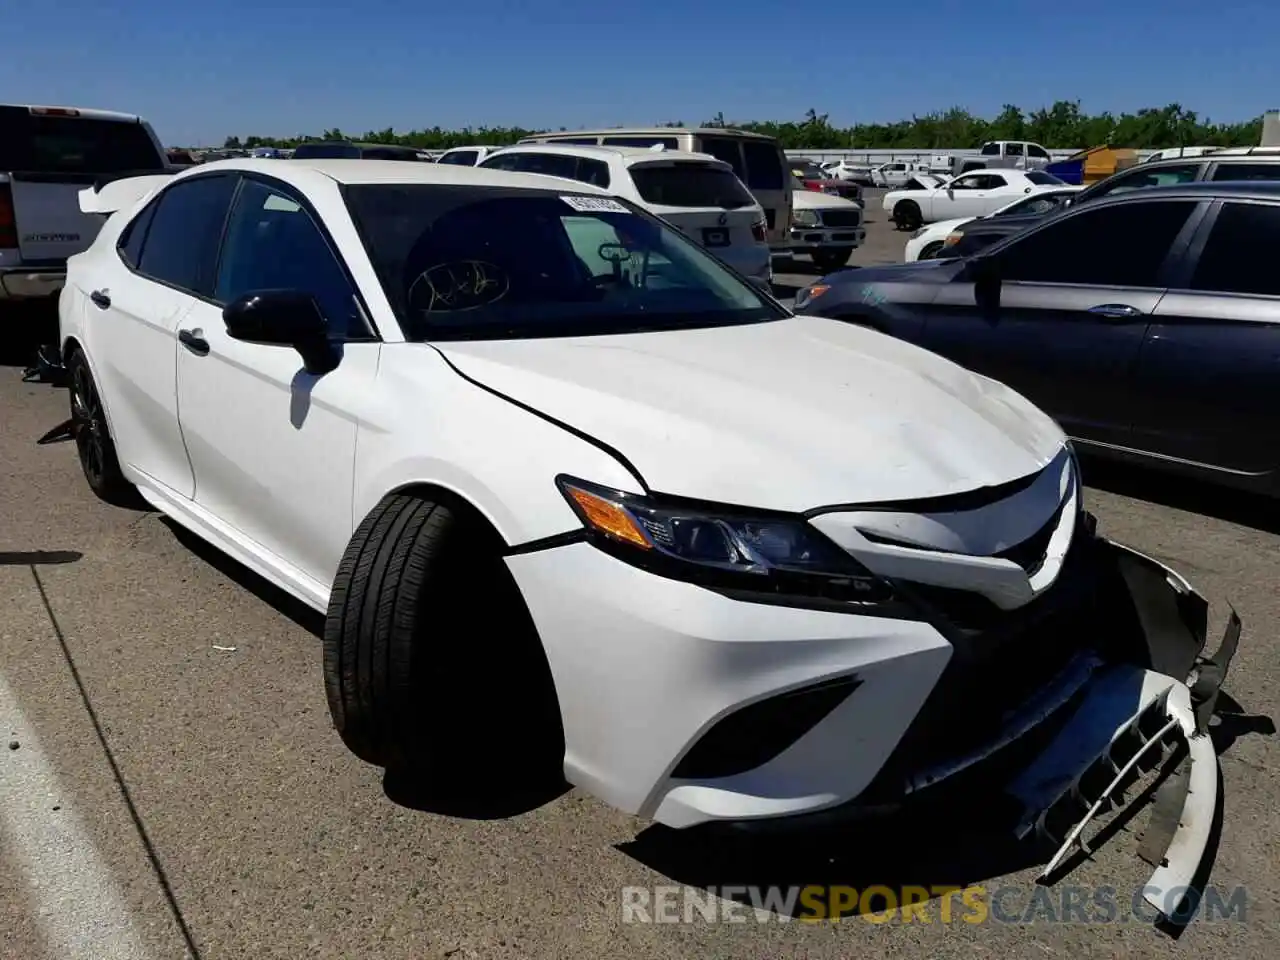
[1147,323]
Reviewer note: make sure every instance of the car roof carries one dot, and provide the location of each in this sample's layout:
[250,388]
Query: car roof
[1196,190]
[657,132]
[351,171]
[1255,154]
[628,155]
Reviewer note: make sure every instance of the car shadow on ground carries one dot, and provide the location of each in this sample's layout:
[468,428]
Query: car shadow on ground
[1182,493]
[510,795]
[26,327]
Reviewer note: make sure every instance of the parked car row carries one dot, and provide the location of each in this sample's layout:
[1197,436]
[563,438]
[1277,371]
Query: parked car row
[548,466]
[1145,321]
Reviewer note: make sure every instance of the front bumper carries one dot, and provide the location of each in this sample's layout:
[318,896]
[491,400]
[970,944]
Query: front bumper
[805,239]
[650,670]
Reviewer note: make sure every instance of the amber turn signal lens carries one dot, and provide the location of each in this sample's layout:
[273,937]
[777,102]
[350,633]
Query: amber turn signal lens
[608,518]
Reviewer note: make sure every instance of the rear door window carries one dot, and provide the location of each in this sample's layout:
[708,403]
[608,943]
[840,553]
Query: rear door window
[1141,179]
[689,185]
[181,246]
[592,171]
[549,164]
[463,158]
[1246,171]
[671,143]
[1238,254]
[1113,246]
[39,143]
[326,151]
[727,149]
[765,170]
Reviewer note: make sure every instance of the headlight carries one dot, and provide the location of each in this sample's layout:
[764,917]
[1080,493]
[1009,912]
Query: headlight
[811,293]
[805,218]
[722,548]
[1077,474]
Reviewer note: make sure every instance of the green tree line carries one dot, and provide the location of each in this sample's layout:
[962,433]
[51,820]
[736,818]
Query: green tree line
[1061,126]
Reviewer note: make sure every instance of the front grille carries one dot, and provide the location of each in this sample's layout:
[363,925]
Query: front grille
[998,666]
[841,218]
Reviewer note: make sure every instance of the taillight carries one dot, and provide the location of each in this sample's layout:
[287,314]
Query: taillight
[759,231]
[54,111]
[8,222]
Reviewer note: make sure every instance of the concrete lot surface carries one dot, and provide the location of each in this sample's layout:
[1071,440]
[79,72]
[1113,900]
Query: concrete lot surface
[170,784]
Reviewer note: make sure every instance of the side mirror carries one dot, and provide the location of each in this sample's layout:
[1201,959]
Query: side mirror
[984,273]
[283,318]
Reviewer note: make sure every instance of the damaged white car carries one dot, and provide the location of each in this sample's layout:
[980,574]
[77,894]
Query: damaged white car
[570,490]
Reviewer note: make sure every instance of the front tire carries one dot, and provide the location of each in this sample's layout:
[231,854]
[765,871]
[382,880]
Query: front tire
[931,250]
[430,652]
[94,445]
[828,260]
[906,214]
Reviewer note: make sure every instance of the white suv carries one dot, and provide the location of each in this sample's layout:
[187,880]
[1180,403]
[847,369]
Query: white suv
[694,192]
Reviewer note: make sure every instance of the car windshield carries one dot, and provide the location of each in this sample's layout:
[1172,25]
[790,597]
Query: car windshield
[1042,179]
[685,184]
[1036,203]
[36,143]
[487,263]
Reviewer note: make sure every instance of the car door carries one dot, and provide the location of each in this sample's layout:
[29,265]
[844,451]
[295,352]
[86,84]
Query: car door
[977,194]
[1075,297]
[166,254]
[271,445]
[1208,381]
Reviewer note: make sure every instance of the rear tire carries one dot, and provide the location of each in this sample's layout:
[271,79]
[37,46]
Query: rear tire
[828,260]
[430,651]
[92,435]
[906,214]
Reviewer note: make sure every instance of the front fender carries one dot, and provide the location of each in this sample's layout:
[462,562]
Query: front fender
[440,430]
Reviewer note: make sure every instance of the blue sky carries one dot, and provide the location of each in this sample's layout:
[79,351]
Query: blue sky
[204,70]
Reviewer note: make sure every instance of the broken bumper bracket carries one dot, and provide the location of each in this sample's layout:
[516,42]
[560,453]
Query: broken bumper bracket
[1132,719]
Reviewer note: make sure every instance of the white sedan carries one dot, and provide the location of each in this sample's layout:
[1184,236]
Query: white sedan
[927,241]
[973,194]
[596,509]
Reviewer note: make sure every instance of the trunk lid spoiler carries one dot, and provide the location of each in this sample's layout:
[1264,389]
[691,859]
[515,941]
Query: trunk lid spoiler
[111,194]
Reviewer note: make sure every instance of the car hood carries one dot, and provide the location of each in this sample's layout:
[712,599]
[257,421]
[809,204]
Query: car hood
[786,415]
[812,200]
[913,271]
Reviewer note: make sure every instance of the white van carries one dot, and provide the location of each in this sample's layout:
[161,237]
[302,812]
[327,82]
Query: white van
[695,192]
[758,161]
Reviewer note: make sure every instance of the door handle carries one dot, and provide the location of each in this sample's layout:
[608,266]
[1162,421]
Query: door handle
[100,299]
[1115,311]
[193,341]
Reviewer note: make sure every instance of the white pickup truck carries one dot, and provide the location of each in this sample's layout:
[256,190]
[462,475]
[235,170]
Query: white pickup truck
[47,156]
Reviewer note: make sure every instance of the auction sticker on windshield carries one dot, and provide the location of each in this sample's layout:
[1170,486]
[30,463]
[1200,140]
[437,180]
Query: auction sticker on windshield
[595,205]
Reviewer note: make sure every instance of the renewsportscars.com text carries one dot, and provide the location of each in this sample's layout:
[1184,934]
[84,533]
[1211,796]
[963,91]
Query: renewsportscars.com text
[935,904]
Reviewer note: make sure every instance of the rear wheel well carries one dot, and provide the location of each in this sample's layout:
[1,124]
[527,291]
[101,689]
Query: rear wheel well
[69,345]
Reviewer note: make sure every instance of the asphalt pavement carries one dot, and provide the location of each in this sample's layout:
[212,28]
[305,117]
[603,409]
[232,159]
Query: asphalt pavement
[170,784]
